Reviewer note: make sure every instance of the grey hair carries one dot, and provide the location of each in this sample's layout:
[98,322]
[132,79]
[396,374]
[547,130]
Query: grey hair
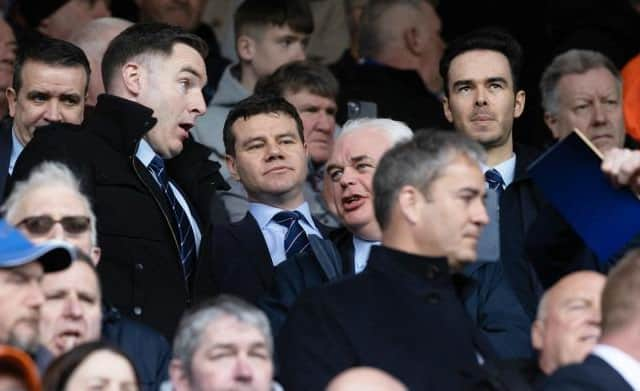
[373,33]
[418,163]
[574,61]
[47,174]
[193,325]
[395,131]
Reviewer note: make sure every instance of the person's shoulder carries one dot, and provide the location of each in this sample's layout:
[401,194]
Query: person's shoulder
[592,374]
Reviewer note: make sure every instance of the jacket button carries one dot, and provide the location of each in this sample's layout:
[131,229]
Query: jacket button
[432,271]
[432,298]
[137,310]
[139,266]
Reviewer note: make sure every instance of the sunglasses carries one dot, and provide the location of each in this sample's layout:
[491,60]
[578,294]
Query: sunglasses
[41,225]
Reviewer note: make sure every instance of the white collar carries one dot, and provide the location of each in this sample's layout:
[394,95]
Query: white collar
[627,366]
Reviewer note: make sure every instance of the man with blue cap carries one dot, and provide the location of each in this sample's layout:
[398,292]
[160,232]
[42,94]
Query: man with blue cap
[22,265]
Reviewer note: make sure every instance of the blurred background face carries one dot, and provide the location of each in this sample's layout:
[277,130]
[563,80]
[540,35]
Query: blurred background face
[74,14]
[71,313]
[182,13]
[232,355]
[7,59]
[570,326]
[591,102]
[318,115]
[103,370]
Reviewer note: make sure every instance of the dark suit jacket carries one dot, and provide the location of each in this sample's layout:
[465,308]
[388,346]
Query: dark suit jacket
[411,324]
[594,374]
[242,265]
[140,269]
[519,206]
[6,143]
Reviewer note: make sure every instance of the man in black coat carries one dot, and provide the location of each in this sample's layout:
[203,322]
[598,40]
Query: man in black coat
[404,313]
[150,219]
[614,363]
[481,75]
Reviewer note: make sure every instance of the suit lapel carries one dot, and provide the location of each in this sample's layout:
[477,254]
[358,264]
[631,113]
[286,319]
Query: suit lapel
[247,232]
[6,144]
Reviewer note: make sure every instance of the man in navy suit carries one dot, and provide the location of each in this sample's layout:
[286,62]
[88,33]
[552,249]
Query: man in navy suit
[266,152]
[614,363]
[50,85]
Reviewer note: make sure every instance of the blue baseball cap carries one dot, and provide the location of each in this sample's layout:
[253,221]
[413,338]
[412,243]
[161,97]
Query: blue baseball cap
[17,250]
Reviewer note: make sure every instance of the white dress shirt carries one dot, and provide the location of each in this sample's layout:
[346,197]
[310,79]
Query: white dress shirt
[507,170]
[145,154]
[361,250]
[16,150]
[274,233]
[627,366]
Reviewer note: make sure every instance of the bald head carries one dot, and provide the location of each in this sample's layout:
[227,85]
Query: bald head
[568,322]
[364,378]
[93,39]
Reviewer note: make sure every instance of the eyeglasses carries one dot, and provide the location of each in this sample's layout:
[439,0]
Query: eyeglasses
[41,225]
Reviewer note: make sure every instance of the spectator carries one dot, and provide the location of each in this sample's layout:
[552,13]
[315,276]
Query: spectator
[363,378]
[90,364]
[153,76]
[18,372]
[50,84]
[267,35]
[236,334]
[7,58]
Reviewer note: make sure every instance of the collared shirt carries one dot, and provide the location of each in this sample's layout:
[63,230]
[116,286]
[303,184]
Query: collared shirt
[627,366]
[507,170]
[145,154]
[361,249]
[16,149]
[274,233]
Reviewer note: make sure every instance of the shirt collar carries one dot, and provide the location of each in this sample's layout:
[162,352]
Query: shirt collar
[624,364]
[264,213]
[16,149]
[145,153]
[506,169]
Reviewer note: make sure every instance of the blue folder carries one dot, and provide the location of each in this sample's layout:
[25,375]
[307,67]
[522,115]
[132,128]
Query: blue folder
[569,175]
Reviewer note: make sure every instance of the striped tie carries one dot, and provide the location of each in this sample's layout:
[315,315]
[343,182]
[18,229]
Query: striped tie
[295,239]
[495,181]
[181,221]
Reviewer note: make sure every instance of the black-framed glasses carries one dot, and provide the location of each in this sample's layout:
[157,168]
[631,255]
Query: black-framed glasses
[41,225]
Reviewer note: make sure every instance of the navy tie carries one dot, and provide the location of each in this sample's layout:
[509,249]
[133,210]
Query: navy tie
[295,239]
[186,239]
[495,181]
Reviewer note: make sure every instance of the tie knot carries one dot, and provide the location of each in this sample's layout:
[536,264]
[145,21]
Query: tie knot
[494,179]
[157,164]
[286,217]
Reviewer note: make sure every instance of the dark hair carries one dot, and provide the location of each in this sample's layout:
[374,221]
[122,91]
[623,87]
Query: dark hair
[146,38]
[297,76]
[252,106]
[60,370]
[418,163]
[49,51]
[261,13]
[484,39]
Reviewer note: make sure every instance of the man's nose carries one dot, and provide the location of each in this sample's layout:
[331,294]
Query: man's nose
[53,113]
[72,307]
[242,371]
[479,214]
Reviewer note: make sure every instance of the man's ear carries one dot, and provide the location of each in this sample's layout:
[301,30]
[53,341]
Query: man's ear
[409,203]
[246,48]
[537,334]
[12,100]
[412,40]
[132,77]
[552,123]
[95,254]
[518,107]
[231,165]
[178,376]
[447,109]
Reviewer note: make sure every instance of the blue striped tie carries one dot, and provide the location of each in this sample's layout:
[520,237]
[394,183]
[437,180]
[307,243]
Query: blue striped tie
[495,181]
[295,239]
[181,221]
